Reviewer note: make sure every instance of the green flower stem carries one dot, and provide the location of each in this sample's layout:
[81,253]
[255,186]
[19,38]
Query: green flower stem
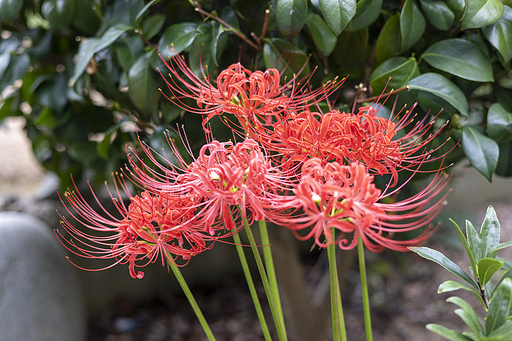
[252,288]
[364,287]
[281,332]
[271,272]
[338,319]
[191,299]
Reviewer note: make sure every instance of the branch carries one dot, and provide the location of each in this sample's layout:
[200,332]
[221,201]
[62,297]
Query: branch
[235,31]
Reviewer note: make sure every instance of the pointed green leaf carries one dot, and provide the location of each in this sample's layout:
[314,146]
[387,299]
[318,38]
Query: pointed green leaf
[507,274]
[486,268]
[322,35]
[412,24]
[460,58]
[438,13]
[389,40]
[505,331]
[401,71]
[291,16]
[90,46]
[444,261]
[480,13]
[338,13]
[465,244]
[145,8]
[450,285]
[497,120]
[152,25]
[367,12]
[499,306]
[469,316]
[177,38]
[481,151]
[499,34]
[490,231]
[474,242]
[492,251]
[10,9]
[219,41]
[447,333]
[438,85]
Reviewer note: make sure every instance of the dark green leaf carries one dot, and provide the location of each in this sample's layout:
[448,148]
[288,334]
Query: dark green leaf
[144,9]
[461,58]
[338,13]
[10,9]
[480,13]
[352,47]
[412,24]
[389,40]
[278,53]
[504,167]
[201,49]
[45,118]
[499,306]
[438,13]
[486,267]
[60,13]
[499,34]
[447,333]
[481,151]
[219,41]
[5,59]
[504,97]
[17,69]
[143,88]
[291,16]
[90,46]
[401,71]
[229,16]
[440,86]
[170,111]
[470,317]
[152,25]
[444,261]
[86,20]
[322,35]
[490,231]
[497,121]
[367,12]
[103,147]
[176,39]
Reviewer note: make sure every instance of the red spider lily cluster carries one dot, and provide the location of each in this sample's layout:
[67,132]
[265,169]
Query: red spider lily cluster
[306,170]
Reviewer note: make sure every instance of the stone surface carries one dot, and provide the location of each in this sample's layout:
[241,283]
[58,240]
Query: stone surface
[40,296]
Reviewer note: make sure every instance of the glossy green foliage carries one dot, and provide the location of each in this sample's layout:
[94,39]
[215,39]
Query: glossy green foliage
[481,249]
[87,65]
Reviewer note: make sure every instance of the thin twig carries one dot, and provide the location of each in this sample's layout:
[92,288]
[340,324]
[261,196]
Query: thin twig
[235,31]
[265,25]
[141,36]
[370,99]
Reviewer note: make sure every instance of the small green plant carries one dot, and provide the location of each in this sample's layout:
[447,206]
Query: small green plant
[482,249]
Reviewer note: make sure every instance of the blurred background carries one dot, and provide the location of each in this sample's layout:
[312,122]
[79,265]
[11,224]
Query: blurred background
[78,78]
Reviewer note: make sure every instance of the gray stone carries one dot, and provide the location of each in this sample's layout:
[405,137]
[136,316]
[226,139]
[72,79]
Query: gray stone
[40,296]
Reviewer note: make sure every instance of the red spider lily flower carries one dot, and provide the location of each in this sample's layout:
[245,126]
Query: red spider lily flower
[250,96]
[363,137]
[226,181]
[338,200]
[151,226]
[226,176]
